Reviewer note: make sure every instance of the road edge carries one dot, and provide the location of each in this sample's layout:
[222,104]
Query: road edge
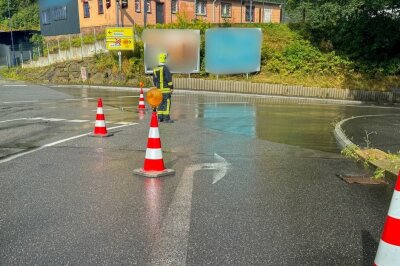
[344,142]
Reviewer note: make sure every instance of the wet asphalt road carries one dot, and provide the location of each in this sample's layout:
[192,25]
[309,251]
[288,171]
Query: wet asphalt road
[380,131]
[280,202]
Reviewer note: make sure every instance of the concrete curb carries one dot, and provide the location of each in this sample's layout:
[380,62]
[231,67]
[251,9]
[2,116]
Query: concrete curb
[123,88]
[344,142]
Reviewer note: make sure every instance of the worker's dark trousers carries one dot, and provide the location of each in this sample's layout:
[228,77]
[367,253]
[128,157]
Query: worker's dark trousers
[163,110]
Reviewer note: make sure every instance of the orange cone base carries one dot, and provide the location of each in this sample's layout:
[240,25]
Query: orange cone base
[153,174]
[100,135]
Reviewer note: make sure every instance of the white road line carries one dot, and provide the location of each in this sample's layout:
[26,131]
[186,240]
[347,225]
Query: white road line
[106,109]
[122,123]
[14,85]
[172,250]
[20,102]
[128,97]
[54,119]
[55,143]
[77,121]
[78,99]
[11,120]
[223,103]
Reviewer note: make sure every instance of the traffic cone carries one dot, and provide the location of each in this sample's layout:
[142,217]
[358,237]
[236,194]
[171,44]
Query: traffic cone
[141,106]
[153,162]
[100,129]
[389,247]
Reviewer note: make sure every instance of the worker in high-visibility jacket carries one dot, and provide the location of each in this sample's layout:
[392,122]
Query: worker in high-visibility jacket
[162,79]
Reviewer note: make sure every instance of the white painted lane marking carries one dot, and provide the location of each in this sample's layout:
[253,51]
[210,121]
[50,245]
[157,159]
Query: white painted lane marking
[54,119]
[170,247]
[14,85]
[122,123]
[78,99]
[128,96]
[55,143]
[223,103]
[77,121]
[104,109]
[11,120]
[20,102]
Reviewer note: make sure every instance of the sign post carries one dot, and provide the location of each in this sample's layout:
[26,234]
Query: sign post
[119,39]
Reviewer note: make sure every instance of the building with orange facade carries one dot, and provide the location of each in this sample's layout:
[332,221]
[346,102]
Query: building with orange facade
[99,14]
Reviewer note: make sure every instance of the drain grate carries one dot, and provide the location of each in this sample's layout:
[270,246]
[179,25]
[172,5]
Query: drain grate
[363,180]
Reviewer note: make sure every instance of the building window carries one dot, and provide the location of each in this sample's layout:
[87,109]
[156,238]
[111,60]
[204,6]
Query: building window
[174,6]
[45,16]
[248,14]
[137,6]
[226,10]
[59,13]
[201,7]
[148,2]
[86,9]
[101,6]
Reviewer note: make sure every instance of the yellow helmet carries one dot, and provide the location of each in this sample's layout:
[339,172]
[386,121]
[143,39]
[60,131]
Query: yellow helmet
[162,58]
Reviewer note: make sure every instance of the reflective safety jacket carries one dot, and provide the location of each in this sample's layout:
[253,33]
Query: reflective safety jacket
[162,78]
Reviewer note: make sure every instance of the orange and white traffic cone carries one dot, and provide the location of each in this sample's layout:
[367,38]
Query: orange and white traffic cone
[153,162]
[100,129]
[389,247]
[141,105]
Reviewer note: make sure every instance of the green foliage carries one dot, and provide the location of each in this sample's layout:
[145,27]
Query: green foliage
[365,31]
[379,173]
[24,14]
[350,152]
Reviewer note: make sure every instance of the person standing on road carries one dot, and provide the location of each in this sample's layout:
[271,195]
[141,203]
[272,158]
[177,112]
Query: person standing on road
[162,79]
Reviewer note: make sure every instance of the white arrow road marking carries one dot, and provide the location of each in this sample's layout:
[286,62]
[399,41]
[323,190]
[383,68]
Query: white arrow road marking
[170,247]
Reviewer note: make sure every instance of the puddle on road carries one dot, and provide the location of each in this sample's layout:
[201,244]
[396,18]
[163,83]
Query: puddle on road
[299,122]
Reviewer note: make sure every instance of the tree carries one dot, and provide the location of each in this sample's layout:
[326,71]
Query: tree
[364,30]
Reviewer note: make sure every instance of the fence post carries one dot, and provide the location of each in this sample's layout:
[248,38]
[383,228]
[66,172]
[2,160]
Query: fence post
[59,55]
[38,49]
[48,52]
[8,61]
[81,46]
[22,59]
[30,55]
[70,46]
[94,33]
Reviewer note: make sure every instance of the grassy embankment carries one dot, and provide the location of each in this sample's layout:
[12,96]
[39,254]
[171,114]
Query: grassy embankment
[286,58]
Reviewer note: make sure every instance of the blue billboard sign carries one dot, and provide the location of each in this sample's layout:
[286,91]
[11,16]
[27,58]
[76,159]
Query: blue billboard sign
[233,50]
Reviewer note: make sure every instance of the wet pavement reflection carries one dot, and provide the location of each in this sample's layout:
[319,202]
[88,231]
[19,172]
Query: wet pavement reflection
[295,121]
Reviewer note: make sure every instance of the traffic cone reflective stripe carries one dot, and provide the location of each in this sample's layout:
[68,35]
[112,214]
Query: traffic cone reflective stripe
[389,246]
[141,100]
[154,162]
[100,129]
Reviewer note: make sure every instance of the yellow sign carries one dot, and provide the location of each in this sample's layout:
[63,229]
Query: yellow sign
[119,39]
[120,43]
[154,97]
[119,32]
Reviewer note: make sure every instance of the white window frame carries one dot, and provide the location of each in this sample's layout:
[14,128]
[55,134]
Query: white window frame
[174,6]
[247,19]
[203,5]
[138,6]
[223,14]
[148,6]
[45,17]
